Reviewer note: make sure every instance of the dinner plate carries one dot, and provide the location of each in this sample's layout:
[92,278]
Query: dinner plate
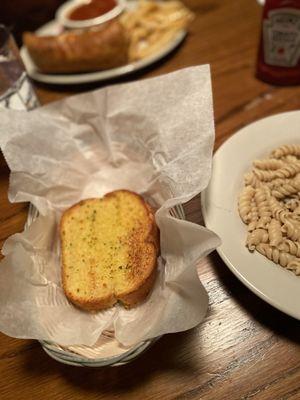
[274,284]
[53,28]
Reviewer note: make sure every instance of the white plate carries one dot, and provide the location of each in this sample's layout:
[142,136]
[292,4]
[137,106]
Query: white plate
[53,28]
[274,284]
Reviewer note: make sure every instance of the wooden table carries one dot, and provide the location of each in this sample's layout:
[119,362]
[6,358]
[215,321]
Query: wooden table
[244,349]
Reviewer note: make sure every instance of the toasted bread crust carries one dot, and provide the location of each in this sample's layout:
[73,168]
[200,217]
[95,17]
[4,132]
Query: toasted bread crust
[80,50]
[137,296]
[143,261]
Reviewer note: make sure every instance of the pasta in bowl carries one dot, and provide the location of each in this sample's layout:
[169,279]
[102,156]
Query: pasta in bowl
[269,205]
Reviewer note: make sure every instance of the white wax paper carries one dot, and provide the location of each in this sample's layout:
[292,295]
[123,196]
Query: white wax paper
[154,137]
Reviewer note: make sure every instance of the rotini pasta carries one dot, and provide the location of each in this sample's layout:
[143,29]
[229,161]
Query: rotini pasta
[261,197]
[290,158]
[256,237]
[291,247]
[253,216]
[294,266]
[268,163]
[286,150]
[288,171]
[291,229]
[297,210]
[287,189]
[275,234]
[269,205]
[274,254]
[252,180]
[293,205]
[276,182]
[245,203]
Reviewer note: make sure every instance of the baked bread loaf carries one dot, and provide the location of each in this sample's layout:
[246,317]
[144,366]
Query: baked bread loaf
[109,251]
[79,50]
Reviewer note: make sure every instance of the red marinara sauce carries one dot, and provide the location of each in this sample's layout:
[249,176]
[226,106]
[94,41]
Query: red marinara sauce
[93,9]
[279,51]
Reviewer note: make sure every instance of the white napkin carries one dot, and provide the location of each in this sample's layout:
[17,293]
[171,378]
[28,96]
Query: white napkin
[154,137]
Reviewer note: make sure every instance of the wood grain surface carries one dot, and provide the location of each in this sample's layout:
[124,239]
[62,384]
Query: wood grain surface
[244,349]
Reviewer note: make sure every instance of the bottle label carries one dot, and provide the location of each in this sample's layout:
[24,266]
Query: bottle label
[281,35]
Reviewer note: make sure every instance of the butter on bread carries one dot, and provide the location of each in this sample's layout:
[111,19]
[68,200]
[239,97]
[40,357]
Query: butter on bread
[109,251]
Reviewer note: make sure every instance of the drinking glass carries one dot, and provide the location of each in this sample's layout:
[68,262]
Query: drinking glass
[16,91]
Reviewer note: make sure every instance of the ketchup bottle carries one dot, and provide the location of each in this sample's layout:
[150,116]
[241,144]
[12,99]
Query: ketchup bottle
[279,51]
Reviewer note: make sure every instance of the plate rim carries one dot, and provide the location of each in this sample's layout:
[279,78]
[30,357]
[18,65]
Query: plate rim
[97,76]
[281,307]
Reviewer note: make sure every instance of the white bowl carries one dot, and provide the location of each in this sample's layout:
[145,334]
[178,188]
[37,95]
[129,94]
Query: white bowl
[64,10]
